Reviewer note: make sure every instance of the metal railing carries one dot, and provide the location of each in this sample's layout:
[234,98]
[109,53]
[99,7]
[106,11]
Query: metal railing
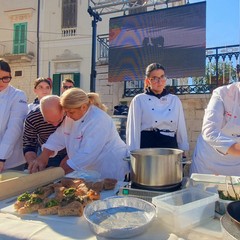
[6,48]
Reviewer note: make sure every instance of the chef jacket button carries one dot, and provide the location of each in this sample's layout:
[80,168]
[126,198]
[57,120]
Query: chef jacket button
[149,99]
[169,109]
[155,121]
[171,121]
[153,109]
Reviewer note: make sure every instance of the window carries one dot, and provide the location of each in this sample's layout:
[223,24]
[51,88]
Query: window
[18,73]
[69,13]
[20,38]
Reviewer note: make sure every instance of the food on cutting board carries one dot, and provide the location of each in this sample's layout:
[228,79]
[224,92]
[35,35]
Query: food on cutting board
[65,198]
[109,183]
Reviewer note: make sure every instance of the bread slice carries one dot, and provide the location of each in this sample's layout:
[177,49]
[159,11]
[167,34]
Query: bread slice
[21,200]
[74,208]
[32,205]
[50,207]
[109,183]
[48,211]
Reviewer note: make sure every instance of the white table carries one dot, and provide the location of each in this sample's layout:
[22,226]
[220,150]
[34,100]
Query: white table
[35,227]
[13,227]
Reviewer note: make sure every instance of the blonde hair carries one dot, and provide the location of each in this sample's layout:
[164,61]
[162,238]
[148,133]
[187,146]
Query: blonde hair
[95,100]
[75,97]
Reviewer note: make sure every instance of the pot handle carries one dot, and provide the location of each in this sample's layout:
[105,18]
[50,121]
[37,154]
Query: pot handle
[185,161]
[128,159]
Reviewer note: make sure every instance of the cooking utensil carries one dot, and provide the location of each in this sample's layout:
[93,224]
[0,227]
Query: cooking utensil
[119,217]
[233,211]
[27,182]
[230,231]
[156,167]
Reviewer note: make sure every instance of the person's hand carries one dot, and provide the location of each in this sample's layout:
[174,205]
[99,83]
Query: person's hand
[65,166]
[1,166]
[37,165]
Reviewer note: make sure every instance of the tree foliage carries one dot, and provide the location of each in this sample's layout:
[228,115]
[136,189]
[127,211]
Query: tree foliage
[225,69]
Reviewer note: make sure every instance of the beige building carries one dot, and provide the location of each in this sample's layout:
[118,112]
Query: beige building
[40,38]
[54,39]
[18,24]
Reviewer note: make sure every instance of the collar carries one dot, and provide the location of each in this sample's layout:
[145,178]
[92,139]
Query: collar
[150,92]
[36,101]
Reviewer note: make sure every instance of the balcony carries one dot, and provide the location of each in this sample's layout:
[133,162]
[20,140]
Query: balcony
[6,52]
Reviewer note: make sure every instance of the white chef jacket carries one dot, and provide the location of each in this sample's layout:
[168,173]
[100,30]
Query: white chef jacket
[92,143]
[147,111]
[13,110]
[220,130]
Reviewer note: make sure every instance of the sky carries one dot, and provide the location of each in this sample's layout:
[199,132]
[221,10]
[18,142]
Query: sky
[222,22]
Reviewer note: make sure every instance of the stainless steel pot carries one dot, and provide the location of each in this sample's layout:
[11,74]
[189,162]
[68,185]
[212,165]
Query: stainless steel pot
[156,167]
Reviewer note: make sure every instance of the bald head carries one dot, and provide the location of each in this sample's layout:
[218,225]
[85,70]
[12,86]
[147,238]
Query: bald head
[51,109]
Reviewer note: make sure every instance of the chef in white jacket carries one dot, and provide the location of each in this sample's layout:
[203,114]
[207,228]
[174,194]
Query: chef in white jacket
[156,117]
[218,146]
[90,137]
[13,110]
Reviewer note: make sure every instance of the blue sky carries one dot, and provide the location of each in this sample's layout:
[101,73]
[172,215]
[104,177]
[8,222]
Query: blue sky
[223,22]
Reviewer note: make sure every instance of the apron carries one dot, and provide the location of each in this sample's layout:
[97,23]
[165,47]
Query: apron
[155,139]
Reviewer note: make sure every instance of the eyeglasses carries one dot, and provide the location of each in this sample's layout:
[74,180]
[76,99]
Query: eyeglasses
[67,87]
[158,79]
[6,79]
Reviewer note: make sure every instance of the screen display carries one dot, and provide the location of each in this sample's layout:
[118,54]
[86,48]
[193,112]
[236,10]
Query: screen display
[174,37]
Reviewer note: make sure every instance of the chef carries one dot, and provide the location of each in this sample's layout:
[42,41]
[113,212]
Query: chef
[13,110]
[218,146]
[156,118]
[90,137]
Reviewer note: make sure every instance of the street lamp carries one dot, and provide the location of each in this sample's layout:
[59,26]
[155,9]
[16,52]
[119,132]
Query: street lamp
[93,74]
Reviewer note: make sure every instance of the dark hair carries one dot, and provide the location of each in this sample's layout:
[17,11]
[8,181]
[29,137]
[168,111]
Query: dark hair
[4,66]
[153,66]
[41,79]
[68,80]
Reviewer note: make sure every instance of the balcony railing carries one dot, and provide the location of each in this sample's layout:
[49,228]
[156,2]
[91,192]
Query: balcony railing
[69,32]
[178,90]
[6,52]
[214,57]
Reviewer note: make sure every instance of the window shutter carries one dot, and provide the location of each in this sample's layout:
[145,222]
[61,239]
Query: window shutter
[16,38]
[56,84]
[69,13]
[76,78]
[20,38]
[23,38]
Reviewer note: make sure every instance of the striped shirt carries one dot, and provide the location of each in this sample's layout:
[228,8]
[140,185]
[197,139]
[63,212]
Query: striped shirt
[36,132]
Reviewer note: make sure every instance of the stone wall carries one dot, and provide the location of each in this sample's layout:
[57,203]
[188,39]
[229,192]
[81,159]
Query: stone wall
[193,104]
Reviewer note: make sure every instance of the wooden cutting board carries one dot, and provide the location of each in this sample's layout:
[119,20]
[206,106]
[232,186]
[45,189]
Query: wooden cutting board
[19,183]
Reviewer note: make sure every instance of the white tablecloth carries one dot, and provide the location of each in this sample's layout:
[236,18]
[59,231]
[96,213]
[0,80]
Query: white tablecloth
[35,227]
[13,227]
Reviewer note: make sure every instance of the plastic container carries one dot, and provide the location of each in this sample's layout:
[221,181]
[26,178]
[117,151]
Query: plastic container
[185,209]
[209,179]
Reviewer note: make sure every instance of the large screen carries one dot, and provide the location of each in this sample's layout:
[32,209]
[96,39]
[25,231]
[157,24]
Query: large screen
[174,37]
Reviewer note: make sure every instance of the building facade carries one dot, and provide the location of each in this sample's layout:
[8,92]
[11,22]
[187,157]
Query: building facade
[41,38]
